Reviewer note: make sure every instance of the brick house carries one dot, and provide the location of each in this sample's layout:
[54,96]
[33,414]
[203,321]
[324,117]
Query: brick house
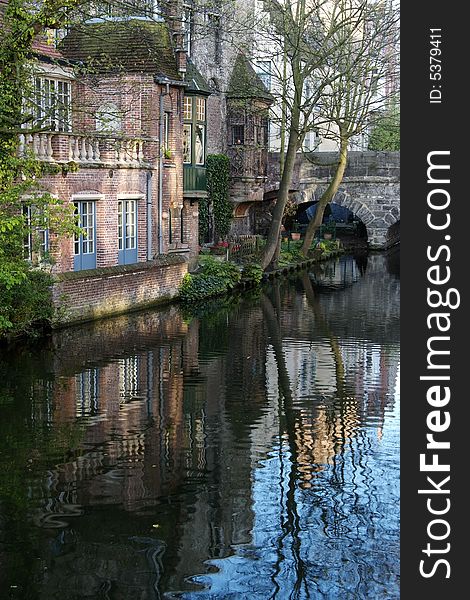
[119,113]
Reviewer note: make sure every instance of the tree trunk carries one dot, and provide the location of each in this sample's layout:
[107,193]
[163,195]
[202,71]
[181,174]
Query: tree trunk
[327,196]
[283,113]
[284,187]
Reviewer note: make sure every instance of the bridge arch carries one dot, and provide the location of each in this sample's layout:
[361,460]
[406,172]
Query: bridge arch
[370,187]
[370,205]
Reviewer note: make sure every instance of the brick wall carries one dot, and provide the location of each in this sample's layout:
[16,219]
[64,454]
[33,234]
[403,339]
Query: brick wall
[105,186]
[87,295]
[133,94]
[109,181]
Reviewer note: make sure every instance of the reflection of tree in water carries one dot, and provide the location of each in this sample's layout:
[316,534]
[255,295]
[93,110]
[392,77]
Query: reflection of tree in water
[316,437]
[176,419]
[361,261]
[287,422]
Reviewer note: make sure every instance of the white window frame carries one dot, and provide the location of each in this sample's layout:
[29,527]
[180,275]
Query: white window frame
[52,98]
[33,234]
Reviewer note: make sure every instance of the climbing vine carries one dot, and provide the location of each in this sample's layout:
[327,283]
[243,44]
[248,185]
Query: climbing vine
[218,177]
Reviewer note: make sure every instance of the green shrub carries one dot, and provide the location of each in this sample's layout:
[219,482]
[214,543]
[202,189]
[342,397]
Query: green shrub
[26,307]
[328,245]
[253,272]
[215,277]
[197,287]
[224,270]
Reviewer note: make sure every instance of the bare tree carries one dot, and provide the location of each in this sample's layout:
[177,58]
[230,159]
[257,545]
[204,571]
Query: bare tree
[360,71]
[328,60]
[319,49]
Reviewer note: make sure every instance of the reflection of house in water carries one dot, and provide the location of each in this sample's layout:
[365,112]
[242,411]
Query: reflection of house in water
[157,412]
[342,381]
[166,427]
[120,404]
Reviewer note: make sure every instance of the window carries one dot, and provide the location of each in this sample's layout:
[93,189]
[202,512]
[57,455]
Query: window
[263,69]
[261,132]
[213,19]
[52,103]
[85,243]
[127,231]
[129,380]
[187,142]
[311,140]
[36,241]
[188,108]
[200,131]
[87,393]
[238,135]
[199,144]
[55,36]
[194,130]
[201,109]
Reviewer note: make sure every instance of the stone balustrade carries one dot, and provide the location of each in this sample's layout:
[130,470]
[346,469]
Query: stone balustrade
[83,148]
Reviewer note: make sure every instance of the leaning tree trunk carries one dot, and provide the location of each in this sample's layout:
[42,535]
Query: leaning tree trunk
[284,187]
[327,196]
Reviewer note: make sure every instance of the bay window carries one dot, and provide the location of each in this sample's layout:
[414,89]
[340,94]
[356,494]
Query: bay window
[52,103]
[194,130]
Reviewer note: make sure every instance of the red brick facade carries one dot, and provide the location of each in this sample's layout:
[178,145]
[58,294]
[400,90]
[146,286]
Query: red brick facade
[88,295]
[126,162]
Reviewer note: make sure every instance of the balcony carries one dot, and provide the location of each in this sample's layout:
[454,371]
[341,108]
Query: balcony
[88,149]
[194,182]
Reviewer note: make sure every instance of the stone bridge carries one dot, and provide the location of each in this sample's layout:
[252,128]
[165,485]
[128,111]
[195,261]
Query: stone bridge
[370,188]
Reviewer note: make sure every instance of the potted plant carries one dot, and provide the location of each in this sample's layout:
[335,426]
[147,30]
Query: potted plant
[295,233]
[328,230]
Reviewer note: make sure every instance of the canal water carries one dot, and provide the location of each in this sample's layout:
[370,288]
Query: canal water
[249,449]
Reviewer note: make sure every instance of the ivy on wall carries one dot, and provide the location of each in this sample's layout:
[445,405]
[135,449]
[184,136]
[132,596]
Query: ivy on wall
[218,178]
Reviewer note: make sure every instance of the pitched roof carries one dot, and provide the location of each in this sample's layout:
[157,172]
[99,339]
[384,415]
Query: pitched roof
[245,82]
[194,79]
[130,45]
[43,49]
